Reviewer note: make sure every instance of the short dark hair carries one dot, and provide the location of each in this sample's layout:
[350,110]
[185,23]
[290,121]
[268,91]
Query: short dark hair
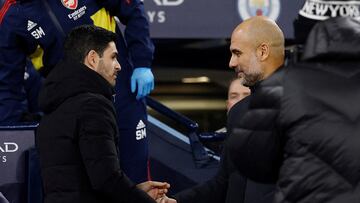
[85,38]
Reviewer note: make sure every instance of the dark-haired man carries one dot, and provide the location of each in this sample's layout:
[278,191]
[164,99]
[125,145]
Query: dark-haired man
[36,29]
[77,137]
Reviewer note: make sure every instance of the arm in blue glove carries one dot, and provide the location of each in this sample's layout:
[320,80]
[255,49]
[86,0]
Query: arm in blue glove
[143,79]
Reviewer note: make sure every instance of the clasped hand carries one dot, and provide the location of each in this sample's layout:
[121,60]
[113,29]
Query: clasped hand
[157,190]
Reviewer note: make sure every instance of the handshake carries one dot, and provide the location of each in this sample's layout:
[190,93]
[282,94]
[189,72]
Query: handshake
[157,190]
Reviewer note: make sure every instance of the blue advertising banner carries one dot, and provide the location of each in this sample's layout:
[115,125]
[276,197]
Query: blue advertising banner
[214,18]
[13,164]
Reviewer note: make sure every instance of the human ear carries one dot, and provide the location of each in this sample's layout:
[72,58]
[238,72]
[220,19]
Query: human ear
[263,51]
[91,59]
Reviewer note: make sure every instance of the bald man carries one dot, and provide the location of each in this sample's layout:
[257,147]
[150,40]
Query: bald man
[257,52]
[301,130]
[257,49]
[253,60]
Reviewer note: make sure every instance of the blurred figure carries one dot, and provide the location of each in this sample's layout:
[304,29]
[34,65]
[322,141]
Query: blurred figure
[236,92]
[77,137]
[302,130]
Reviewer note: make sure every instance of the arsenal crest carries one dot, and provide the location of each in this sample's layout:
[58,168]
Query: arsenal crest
[249,8]
[70,4]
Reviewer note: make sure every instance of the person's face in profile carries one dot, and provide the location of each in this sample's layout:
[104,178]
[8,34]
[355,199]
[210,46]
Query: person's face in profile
[244,59]
[108,65]
[236,93]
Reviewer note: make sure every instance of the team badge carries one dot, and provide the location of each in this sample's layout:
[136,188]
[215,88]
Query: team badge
[70,4]
[249,8]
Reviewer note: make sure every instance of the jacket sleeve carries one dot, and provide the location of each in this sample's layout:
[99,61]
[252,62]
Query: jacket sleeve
[97,134]
[137,36]
[15,44]
[214,190]
[254,144]
[12,63]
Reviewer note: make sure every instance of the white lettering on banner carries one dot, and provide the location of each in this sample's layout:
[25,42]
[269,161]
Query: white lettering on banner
[168,2]
[9,147]
[321,10]
[160,16]
[156,16]
[78,13]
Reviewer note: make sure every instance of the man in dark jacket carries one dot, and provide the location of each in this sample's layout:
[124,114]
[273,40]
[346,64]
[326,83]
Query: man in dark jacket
[37,28]
[257,48]
[77,138]
[302,127]
[228,185]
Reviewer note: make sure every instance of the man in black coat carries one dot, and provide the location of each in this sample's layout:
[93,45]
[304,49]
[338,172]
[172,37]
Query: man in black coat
[257,52]
[228,185]
[302,127]
[77,138]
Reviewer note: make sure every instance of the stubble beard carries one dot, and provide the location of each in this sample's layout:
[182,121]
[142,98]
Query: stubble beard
[103,74]
[255,74]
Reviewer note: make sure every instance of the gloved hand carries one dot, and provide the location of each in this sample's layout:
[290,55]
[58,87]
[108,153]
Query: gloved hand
[143,79]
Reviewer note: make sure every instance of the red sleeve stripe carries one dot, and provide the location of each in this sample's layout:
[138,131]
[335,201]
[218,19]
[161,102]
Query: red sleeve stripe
[5,8]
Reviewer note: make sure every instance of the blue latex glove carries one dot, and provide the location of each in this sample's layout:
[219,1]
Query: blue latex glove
[143,79]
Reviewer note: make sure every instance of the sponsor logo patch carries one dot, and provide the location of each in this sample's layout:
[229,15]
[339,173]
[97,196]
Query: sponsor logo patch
[249,8]
[70,4]
[78,13]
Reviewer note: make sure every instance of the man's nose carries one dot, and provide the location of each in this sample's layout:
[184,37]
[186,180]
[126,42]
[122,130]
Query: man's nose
[232,63]
[117,66]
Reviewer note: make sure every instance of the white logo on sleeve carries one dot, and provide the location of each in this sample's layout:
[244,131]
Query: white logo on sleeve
[140,130]
[30,25]
[38,32]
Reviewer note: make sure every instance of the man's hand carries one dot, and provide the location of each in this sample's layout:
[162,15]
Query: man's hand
[166,199]
[143,79]
[154,189]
